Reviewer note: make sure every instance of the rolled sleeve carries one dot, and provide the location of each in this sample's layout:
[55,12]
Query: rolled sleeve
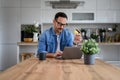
[42,44]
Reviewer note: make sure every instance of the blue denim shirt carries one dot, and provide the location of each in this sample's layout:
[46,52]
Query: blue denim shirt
[48,40]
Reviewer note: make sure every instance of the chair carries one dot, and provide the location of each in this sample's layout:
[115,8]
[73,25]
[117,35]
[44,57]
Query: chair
[26,55]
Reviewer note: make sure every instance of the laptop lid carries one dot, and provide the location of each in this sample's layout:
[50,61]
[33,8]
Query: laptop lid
[72,53]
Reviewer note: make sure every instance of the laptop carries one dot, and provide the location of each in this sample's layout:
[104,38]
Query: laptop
[71,53]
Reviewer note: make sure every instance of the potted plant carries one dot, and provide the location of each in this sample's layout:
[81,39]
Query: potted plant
[83,32]
[102,33]
[94,36]
[89,48]
[28,32]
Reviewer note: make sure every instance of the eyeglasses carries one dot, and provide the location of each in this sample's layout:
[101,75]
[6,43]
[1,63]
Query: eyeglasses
[61,24]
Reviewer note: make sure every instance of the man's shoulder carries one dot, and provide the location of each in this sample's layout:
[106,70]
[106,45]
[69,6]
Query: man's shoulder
[47,30]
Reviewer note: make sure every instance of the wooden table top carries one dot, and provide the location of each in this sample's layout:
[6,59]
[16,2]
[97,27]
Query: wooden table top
[52,69]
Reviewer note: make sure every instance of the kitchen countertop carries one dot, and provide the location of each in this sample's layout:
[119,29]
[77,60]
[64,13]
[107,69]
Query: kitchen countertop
[52,69]
[36,43]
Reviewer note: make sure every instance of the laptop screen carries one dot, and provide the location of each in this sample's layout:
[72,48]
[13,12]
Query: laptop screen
[71,53]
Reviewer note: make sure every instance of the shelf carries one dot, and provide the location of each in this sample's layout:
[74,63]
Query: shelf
[106,43]
[27,43]
[113,43]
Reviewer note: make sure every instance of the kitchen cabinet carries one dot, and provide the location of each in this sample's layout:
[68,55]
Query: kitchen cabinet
[46,5]
[115,4]
[10,3]
[10,25]
[0,4]
[82,21]
[117,16]
[0,57]
[8,56]
[88,5]
[0,38]
[31,3]
[103,13]
[48,16]
[105,16]
[10,21]
[29,15]
[109,11]
[103,4]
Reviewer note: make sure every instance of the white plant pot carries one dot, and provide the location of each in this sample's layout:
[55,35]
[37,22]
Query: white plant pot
[35,37]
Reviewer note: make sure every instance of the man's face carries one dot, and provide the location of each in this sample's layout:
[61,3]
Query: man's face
[59,24]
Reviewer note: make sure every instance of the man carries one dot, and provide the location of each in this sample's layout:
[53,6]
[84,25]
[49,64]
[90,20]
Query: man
[53,40]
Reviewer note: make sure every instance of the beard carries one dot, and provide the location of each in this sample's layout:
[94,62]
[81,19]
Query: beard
[60,29]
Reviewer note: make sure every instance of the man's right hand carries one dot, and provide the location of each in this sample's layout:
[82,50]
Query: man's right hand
[58,53]
[54,55]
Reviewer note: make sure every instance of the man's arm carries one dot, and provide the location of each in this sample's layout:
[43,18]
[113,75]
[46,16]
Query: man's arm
[42,44]
[77,39]
[50,55]
[54,55]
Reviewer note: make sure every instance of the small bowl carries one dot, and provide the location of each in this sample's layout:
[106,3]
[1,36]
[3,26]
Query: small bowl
[28,39]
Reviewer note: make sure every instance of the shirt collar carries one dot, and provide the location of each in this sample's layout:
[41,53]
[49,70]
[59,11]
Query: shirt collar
[53,32]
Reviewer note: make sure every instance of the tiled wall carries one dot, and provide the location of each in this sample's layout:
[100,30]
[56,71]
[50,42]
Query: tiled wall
[88,27]
[79,26]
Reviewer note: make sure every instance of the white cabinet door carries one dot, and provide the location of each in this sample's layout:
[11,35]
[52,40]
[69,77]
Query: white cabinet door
[105,16]
[10,3]
[9,55]
[117,16]
[0,56]
[10,35]
[31,3]
[108,11]
[103,4]
[0,4]
[29,15]
[10,25]
[0,24]
[88,5]
[115,4]
[0,44]
[46,5]
[48,15]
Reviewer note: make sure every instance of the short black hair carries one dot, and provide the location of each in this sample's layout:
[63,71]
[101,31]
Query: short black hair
[60,14]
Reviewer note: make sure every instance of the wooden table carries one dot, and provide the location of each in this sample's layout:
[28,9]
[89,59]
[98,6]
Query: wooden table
[52,69]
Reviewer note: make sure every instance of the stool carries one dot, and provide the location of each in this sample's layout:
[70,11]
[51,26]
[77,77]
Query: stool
[26,55]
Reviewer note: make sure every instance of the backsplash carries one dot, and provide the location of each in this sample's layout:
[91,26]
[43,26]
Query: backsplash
[90,28]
